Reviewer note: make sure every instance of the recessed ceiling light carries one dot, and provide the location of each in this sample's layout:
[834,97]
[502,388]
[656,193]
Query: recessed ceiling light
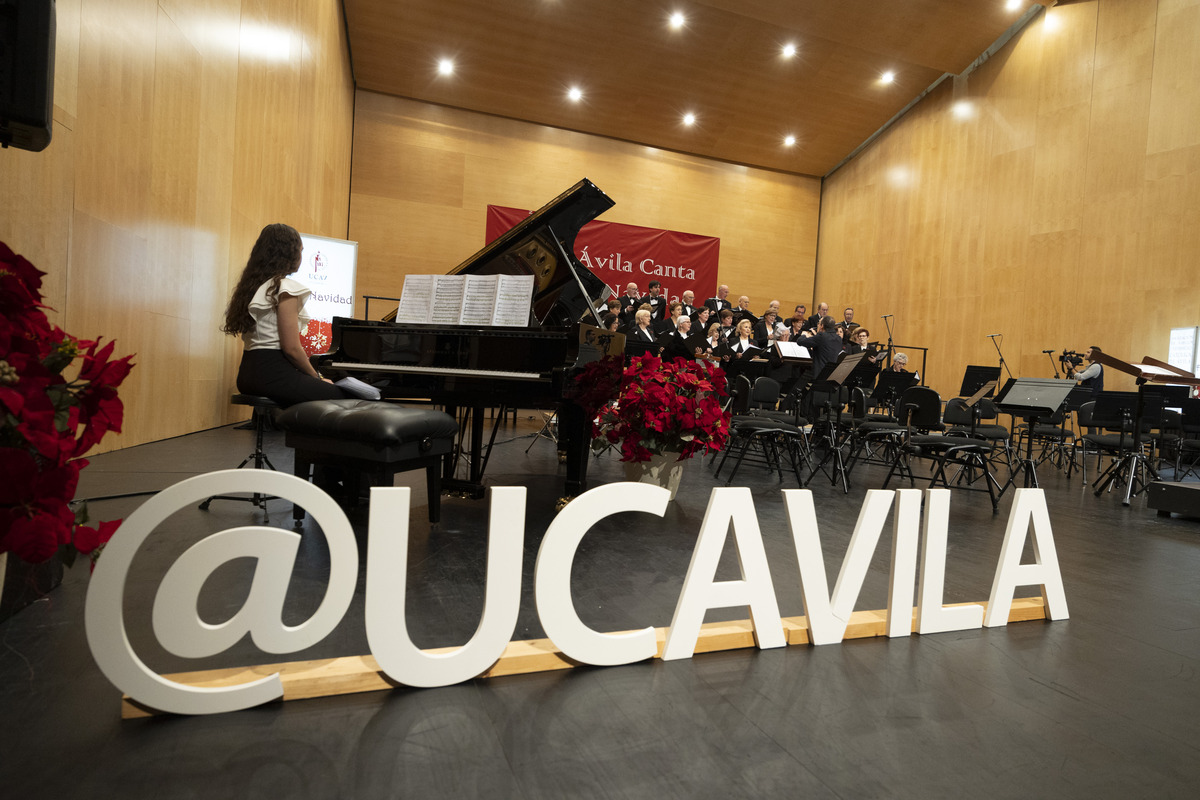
[689,119]
[789,50]
[445,67]
[1013,5]
[962,109]
[575,94]
[677,20]
[887,77]
[789,141]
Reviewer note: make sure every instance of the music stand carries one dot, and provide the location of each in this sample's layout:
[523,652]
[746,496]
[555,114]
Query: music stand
[976,376]
[1031,398]
[833,376]
[1151,370]
[890,386]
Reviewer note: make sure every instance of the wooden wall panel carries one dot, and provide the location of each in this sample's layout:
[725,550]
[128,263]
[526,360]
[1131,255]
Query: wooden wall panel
[1063,212]
[424,176]
[177,137]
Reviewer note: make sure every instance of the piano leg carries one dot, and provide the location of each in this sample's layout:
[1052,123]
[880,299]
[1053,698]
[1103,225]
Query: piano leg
[574,436]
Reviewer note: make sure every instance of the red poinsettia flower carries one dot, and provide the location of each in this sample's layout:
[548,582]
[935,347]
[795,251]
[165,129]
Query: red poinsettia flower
[46,421]
[88,540]
[660,406]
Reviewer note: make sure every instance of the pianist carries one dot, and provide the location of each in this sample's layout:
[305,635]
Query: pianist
[267,311]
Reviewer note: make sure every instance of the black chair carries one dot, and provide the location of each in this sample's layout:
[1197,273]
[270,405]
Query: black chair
[1115,411]
[973,422]
[874,437]
[920,411]
[261,410]
[738,405]
[831,432]
[772,433]
[1187,449]
[1054,438]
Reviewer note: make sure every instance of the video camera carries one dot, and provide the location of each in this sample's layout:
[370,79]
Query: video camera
[1070,357]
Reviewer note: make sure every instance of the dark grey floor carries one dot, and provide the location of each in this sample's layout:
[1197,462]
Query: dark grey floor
[1106,704]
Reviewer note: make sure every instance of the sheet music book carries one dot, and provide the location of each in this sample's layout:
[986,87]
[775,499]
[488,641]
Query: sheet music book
[501,300]
[358,388]
[791,350]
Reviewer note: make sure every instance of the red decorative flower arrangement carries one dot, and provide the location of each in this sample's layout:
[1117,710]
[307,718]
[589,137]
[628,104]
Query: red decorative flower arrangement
[48,421]
[654,406]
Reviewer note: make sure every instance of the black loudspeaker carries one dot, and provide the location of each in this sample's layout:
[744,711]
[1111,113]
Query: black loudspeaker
[26,73]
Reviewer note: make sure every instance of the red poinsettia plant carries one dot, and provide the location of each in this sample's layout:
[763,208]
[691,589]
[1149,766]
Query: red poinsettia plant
[48,421]
[654,406]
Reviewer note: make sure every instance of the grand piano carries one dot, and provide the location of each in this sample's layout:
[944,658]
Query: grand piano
[471,369]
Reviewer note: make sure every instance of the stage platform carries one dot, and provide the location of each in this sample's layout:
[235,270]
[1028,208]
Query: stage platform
[1103,705]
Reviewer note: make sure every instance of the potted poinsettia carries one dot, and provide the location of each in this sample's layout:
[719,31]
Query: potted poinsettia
[58,397]
[659,412]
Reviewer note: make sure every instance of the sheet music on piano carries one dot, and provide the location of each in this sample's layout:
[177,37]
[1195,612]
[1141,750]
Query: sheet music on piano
[497,299]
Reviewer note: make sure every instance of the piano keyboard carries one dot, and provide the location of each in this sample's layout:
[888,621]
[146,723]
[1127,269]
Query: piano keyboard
[359,366]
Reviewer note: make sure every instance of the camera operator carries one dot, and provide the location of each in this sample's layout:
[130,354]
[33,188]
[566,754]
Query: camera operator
[1092,375]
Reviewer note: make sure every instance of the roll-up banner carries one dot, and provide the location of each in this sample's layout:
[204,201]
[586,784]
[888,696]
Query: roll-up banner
[328,267]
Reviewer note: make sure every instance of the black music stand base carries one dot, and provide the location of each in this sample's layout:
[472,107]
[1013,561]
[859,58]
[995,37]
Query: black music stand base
[1132,470]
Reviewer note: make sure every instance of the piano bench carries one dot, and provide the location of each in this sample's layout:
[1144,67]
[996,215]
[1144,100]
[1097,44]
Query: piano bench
[367,437]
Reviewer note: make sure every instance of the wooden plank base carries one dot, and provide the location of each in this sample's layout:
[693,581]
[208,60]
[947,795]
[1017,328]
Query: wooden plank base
[352,674]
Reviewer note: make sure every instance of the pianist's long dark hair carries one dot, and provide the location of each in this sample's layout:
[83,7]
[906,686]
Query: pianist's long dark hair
[274,255]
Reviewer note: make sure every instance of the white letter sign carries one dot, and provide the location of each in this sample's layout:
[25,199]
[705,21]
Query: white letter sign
[105,618]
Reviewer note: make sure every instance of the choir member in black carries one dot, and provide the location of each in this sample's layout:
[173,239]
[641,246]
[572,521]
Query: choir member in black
[741,349]
[726,322]
[640,331]
[611,322]
[795,329]
[674,342]
[764,330]
[719,303]
[814,322]
[671,323]
[629,303]
[743,311]
[741,343]
[700,319]
[848,324]
[657,303]
[859,341]
[859,344]
[712,344]
[689,303]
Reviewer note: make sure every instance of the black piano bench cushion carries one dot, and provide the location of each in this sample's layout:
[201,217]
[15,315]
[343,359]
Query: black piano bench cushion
[368,429]
[368,438]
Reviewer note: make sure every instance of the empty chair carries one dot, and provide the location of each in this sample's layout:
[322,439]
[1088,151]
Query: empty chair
[920,410]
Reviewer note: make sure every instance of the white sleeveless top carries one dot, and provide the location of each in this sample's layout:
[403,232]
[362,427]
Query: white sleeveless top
[265,334]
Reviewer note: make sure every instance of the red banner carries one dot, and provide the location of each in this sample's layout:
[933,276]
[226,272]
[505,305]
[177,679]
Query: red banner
[623,254]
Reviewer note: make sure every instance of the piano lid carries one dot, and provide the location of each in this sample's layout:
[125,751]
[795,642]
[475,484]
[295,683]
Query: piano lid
[537,245]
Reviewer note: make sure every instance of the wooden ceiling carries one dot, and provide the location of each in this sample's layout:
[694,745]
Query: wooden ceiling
[518,58]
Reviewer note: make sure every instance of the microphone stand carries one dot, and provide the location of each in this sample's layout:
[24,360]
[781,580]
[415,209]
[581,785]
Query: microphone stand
[1053,363]
[1003,363]
[887,323]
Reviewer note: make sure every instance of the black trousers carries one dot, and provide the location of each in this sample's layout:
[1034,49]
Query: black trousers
[268,373]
